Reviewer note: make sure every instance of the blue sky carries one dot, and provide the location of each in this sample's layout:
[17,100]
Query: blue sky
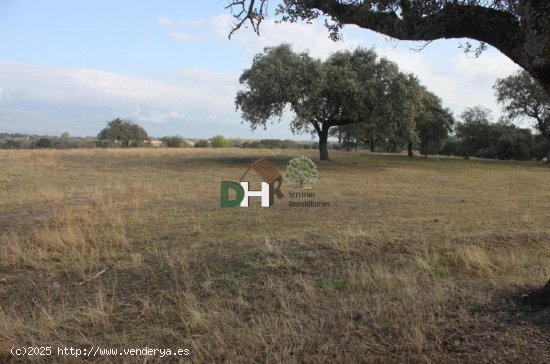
[116,36]
[168,65]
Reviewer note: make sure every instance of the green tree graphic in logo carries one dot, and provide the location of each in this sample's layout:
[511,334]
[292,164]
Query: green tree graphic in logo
[302,171]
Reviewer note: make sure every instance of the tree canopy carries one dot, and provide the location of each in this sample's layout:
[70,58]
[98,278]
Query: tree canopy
[220,141]
[474,130]
[433,123]
[428,126]
[523,97]
[347,88]
[518,28]
[122,133]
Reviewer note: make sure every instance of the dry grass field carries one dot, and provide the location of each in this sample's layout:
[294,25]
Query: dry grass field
[414,261]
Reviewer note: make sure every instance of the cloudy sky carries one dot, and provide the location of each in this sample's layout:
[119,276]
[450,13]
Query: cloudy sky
[168,65]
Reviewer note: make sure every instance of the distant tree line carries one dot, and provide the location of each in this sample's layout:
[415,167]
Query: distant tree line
[218,142]
[65,141]
[25,141]
[476,136]
[472,135]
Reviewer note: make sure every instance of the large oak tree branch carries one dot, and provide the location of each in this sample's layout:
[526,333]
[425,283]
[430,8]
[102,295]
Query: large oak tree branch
[496,27]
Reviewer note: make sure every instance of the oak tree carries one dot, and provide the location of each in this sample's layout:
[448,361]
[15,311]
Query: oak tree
[122,133]
[349,87]
[433,123]
[523,97]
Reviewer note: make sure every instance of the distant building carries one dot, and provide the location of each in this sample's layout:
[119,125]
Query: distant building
[155,143]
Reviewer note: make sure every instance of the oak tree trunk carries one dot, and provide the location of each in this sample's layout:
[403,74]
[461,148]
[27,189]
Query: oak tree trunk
[544,294]
[539,298]
[323,144]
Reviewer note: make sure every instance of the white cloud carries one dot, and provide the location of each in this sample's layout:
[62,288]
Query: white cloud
[461,81]
[192,22]
[191,96]
[181,36]
[155,115]
[165,22]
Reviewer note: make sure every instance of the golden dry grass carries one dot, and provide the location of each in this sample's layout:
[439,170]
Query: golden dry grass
[414,261]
